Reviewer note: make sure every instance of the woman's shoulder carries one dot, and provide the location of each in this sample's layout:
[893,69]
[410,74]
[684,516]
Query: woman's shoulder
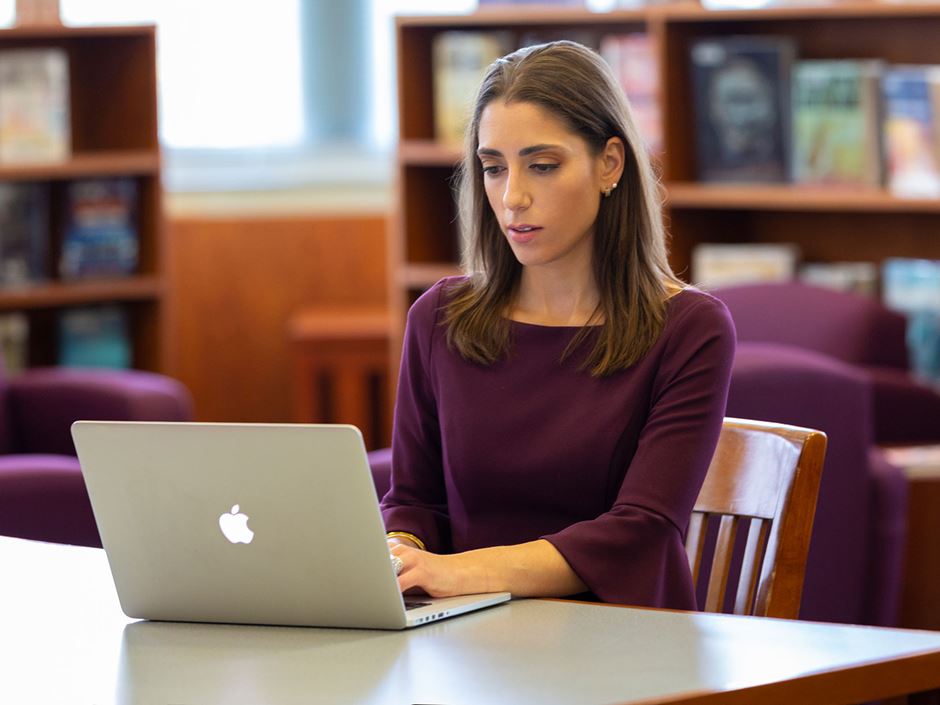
[689,306]
[428,306]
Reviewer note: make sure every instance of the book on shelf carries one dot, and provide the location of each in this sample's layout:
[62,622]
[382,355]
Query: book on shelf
[459,61]
[837,122]
[917,462]
[94,336]
[912,130]
[855,277]
[34,105]
[716,265]
[632,57]
[912,286]
[24,232]
[741,104]
[101,237]
[14,341]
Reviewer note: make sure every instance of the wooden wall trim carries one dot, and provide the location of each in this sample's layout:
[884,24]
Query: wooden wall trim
[233,284]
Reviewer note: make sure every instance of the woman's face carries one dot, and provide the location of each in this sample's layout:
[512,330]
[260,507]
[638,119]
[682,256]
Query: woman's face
[542,182]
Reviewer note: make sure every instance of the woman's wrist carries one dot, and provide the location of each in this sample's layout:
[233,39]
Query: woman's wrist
[406,538]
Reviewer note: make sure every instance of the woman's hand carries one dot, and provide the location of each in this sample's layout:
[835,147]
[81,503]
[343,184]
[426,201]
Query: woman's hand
[533,569]
[437,575]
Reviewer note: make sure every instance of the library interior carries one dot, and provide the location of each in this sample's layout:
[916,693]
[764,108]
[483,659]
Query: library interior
[221,213]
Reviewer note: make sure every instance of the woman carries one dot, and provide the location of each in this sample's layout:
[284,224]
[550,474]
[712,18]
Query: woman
[558,407]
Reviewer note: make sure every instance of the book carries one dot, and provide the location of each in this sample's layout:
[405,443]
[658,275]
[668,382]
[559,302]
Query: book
[14,342]
[912,130]
[460,59]
[917,462]
[837,123]
[716,265]
[94,336]
[855,277]
[24,233]
[912,287]
[632,57]
[34,105]
[100,238]
[741,106]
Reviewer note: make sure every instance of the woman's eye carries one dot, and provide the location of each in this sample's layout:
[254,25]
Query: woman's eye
[492,170]
[544,168]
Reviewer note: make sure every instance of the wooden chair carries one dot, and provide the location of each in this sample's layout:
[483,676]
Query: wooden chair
[762,481]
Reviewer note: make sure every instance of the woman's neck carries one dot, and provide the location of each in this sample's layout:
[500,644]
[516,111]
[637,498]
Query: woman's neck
[552,298]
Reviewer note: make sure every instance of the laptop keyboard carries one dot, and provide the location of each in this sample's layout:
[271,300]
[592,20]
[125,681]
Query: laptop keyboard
[410,605]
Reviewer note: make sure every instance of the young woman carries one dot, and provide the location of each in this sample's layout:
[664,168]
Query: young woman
[558,406]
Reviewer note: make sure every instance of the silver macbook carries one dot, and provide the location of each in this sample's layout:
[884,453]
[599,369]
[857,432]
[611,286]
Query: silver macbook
[247,523]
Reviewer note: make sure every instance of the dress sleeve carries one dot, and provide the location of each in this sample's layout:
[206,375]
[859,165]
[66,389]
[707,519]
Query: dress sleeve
[634,552]
[417,499]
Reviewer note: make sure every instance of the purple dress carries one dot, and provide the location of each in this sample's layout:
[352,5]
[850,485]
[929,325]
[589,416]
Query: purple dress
[606,469]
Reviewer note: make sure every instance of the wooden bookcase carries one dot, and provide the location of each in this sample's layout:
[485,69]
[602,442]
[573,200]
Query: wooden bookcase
[113,114]
[828,224]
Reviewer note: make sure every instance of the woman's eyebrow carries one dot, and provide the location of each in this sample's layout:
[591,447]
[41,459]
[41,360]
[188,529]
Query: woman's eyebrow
[524,152]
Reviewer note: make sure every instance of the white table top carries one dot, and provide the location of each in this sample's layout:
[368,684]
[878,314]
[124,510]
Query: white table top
[63,639]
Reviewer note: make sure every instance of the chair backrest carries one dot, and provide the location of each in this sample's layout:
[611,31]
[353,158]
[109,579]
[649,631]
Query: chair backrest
[850,327]
[754,517]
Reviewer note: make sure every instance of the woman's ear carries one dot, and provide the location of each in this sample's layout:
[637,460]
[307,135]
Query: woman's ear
[611,162]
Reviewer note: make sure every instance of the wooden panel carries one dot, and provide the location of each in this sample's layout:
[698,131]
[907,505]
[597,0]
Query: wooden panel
[920,603]
[234,285]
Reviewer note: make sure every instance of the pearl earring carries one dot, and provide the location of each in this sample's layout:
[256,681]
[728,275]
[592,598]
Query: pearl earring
[607,191]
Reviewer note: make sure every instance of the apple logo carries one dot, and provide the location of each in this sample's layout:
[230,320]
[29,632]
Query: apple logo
[235,526]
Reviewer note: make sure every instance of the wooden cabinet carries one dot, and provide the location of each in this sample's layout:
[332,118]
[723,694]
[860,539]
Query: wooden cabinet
[827,224]
[113,125]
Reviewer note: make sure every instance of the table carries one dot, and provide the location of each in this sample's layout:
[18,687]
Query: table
[340,369]
[920,592]
[63,639]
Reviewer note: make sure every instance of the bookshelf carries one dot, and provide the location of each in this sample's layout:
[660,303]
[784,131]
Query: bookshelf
[113,132]
[828,224]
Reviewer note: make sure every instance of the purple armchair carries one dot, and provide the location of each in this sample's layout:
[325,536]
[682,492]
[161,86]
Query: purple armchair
[854,329]
[854,569]
[42,493]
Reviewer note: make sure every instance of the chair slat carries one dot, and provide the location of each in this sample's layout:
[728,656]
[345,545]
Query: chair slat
[695,542]
[721,564]
[750,566]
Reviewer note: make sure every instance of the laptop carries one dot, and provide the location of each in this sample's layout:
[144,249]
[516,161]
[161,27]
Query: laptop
[274,524]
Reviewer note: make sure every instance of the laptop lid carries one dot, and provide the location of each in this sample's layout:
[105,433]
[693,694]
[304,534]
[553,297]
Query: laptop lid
[244,523]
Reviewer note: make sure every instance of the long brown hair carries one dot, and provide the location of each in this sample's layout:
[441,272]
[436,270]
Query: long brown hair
[631,268]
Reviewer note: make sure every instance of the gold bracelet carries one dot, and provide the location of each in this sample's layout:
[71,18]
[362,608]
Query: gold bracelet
[405,535]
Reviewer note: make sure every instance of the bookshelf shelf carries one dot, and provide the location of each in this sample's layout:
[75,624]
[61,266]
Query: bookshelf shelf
[793,198]
[112,132]
[120,162]
[143,288]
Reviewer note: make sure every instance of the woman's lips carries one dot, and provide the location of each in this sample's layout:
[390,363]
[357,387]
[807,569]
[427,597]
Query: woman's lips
[523,233]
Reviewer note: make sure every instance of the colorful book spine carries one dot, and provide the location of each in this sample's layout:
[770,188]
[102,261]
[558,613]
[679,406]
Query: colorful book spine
[34,105]
[14,342]
[715,265]
[741,89]
[632,57]
[912,130]
[460,60]
[94,336]
[837,123]
[101,238]
[24,233]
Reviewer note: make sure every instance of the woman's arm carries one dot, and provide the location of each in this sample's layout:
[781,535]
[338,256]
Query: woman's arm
[535,568]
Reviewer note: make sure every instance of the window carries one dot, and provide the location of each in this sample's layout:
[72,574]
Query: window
[245,102]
